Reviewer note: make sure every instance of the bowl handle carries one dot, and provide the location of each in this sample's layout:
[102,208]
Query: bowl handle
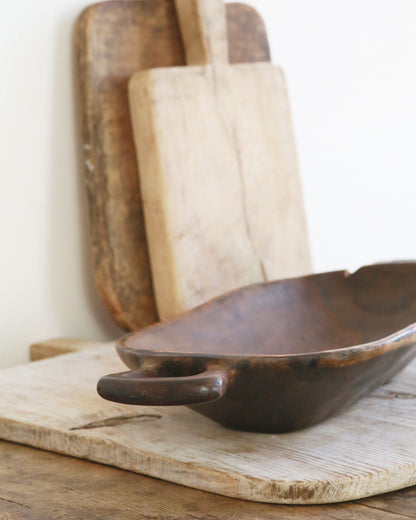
[133,387]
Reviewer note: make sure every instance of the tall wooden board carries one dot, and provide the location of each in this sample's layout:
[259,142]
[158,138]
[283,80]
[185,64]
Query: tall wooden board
[220,185]
[114,40]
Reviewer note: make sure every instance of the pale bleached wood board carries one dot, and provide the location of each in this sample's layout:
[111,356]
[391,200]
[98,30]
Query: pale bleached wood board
[220,185]
[52,404]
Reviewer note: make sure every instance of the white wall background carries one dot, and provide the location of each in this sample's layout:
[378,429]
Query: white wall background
[351,72]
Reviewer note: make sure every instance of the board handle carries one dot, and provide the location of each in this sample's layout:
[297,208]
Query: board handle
[134,387]
[204,31]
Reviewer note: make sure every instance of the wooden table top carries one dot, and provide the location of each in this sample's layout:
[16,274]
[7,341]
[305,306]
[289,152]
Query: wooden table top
[40,485]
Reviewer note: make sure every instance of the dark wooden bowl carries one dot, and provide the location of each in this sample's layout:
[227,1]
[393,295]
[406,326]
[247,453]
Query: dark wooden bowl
[278,356]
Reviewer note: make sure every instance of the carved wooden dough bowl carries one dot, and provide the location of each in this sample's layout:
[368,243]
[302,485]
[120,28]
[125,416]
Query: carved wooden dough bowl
[277,356]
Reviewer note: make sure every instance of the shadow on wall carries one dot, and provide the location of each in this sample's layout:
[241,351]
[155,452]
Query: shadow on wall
[77,307]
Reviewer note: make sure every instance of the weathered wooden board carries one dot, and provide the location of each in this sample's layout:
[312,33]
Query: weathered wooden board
[114,40]
[38,485]
[221,192]
[57,346]
[52,404]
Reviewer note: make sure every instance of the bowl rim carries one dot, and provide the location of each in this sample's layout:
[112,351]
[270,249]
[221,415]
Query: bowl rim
[350,353]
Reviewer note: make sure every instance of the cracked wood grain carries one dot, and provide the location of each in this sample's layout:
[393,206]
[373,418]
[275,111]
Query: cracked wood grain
[380,510]
[2,499]
[244,207]
[115,421]
[394,395]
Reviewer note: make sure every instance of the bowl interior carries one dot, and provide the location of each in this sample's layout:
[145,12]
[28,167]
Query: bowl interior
[299,315]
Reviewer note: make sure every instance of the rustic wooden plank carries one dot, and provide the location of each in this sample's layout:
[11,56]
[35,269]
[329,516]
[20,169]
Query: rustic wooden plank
[221,190]
[401,503]
[114,40]
[40,485]
[55,347]
[370,449]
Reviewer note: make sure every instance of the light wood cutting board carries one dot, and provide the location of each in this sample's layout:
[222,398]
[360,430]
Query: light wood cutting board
[218,172]
[370,449]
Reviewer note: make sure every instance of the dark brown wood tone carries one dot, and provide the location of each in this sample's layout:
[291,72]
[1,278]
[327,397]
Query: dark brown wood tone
[114,40]
[37,485]
[278,356]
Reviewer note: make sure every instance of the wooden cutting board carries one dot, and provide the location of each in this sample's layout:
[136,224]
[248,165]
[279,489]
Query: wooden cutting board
[218,170]
[114,40]
[370,449]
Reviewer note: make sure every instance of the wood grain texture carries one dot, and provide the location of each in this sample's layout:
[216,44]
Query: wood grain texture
[36,485]
[57,346]
[370,449]
[114,40]
[203,31]
[220,184]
